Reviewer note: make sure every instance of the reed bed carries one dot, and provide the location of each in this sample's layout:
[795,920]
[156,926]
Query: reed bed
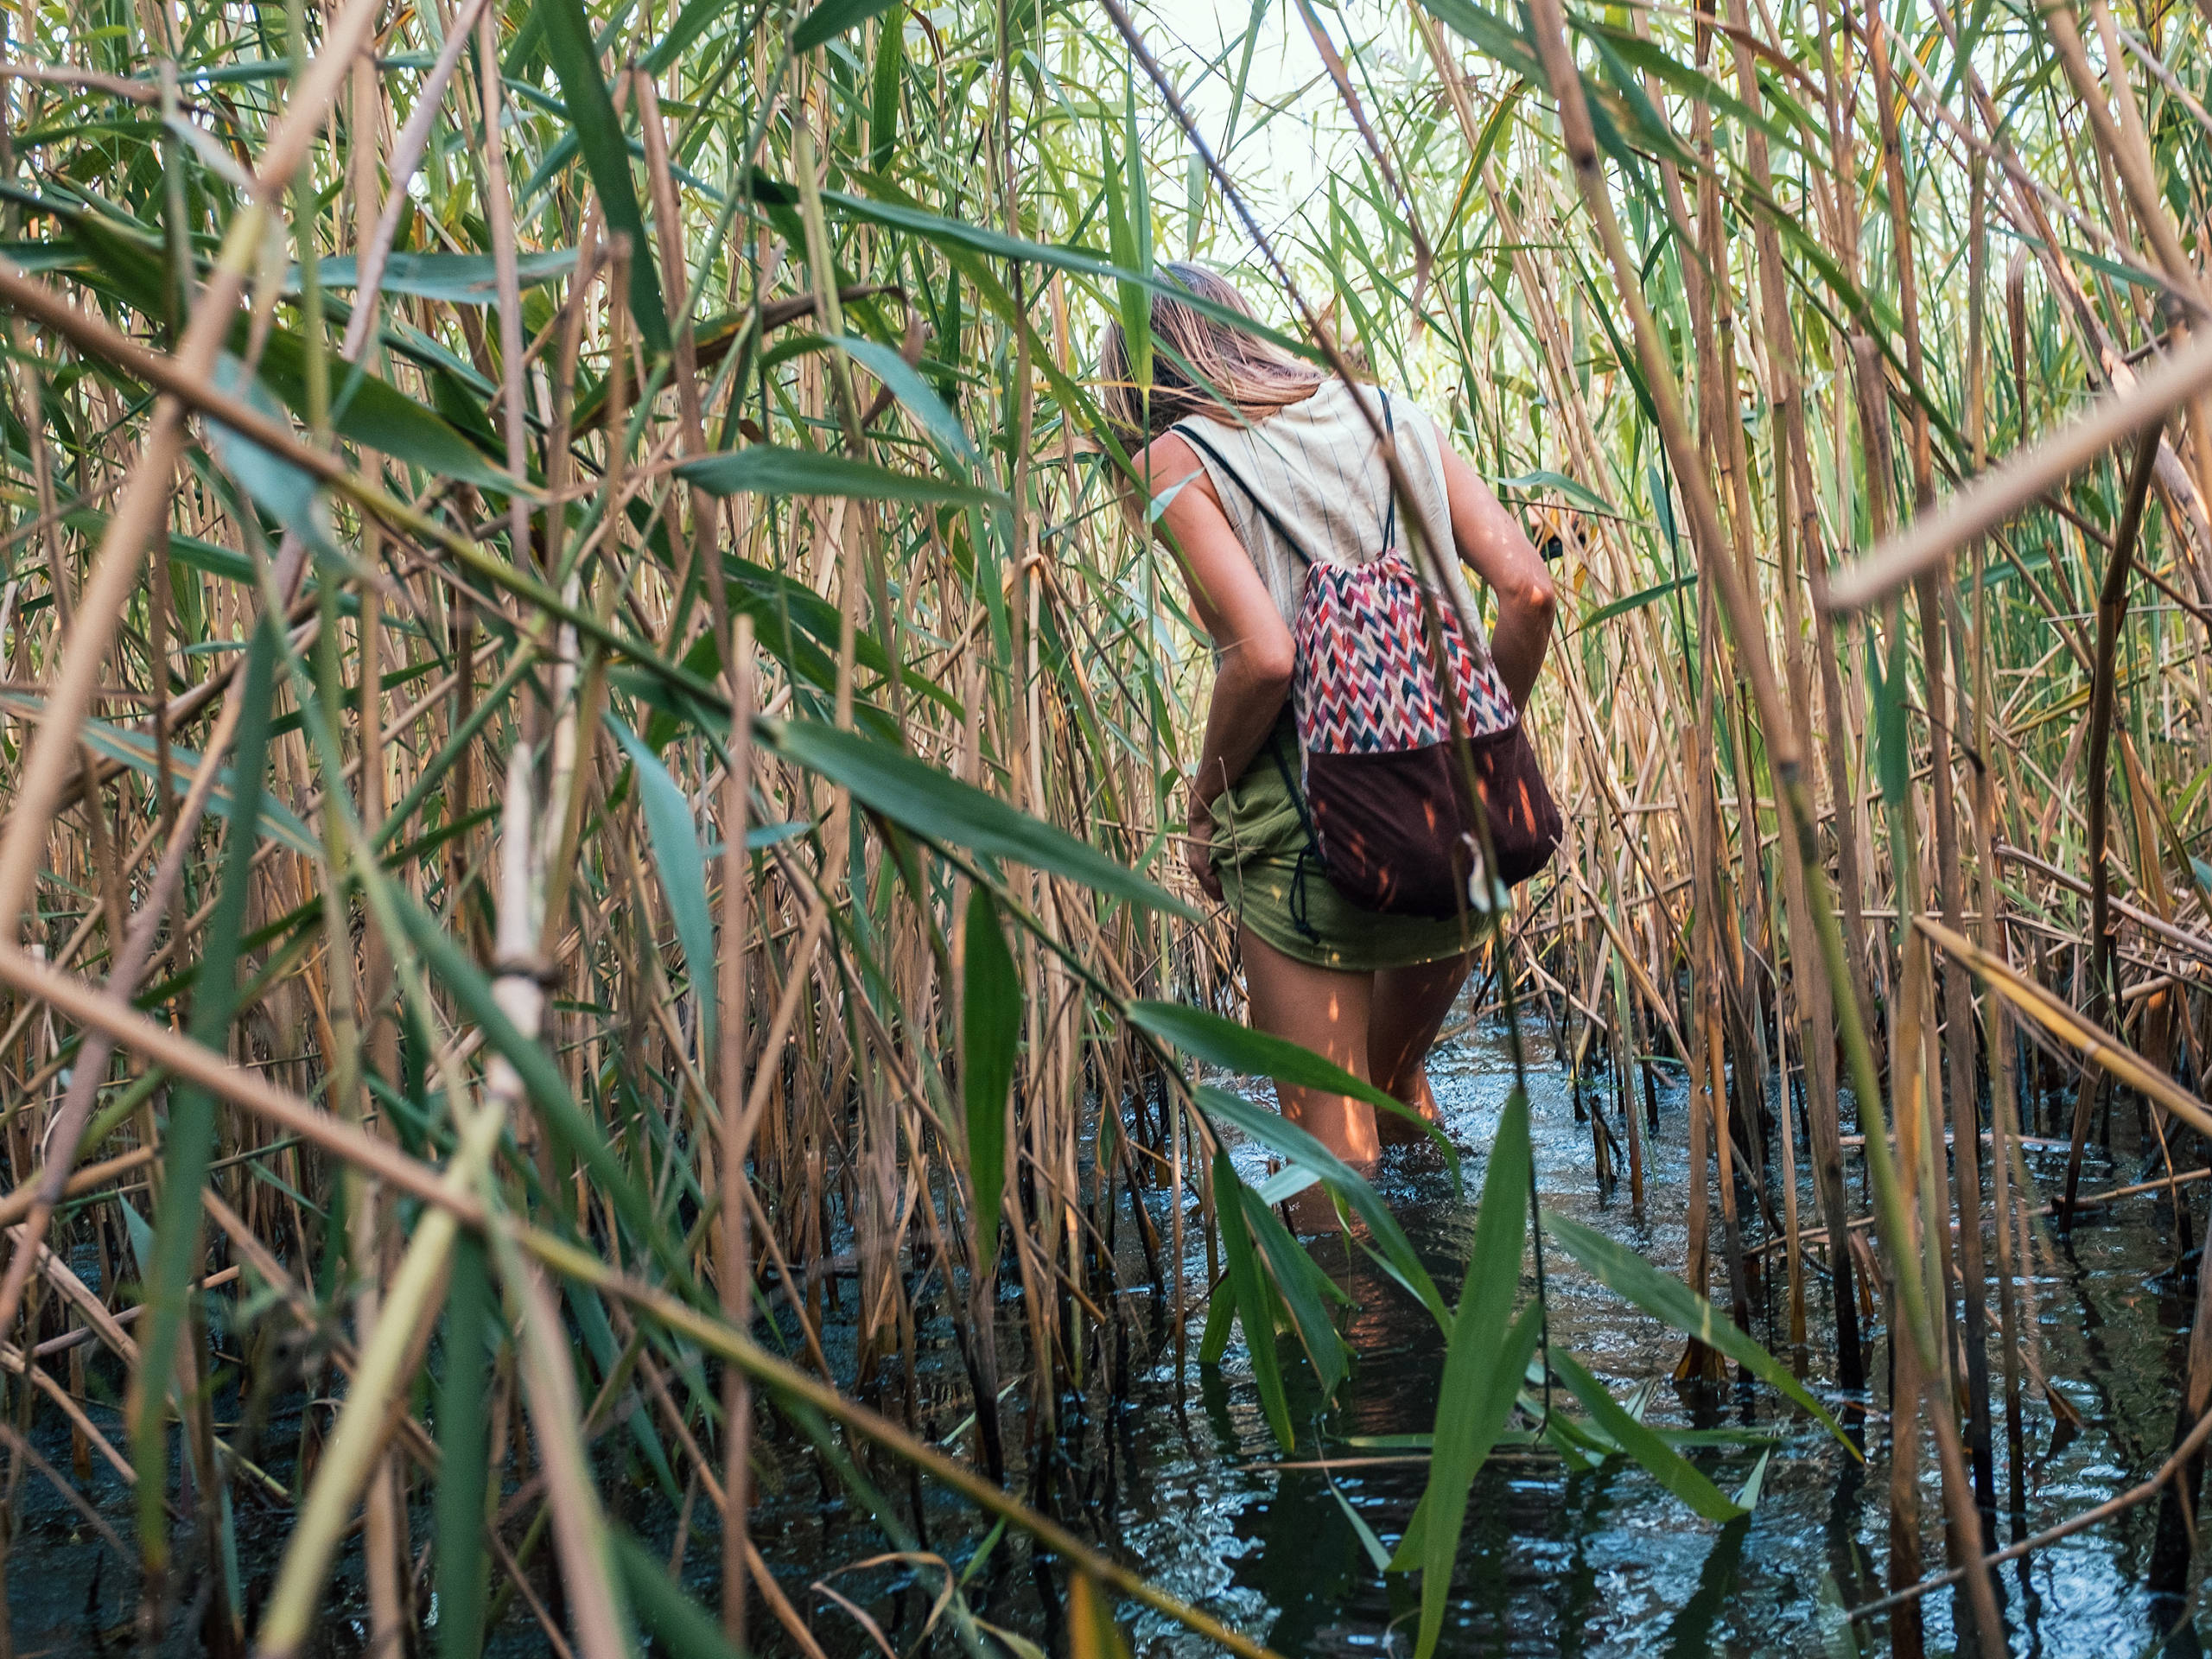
[591,752]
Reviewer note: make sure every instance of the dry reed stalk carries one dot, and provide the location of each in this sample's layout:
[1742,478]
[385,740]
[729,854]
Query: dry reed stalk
[1720,572]
[2111,609]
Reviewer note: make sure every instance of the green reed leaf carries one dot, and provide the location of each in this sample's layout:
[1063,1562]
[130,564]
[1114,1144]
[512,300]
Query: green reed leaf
[1390,1247]
[1482,1366]
[1667,1466]
[189,1142]
[1131,302]
[675,837]
[1221,1315]
[1747,1496]
[1544,479]
[1664,1296]
[1370,1545]
[917,394]
[376,414]
[990,1034]
[287,493]
[456,278]
[764,469]
[1637,601]
[677,1623]
[1239,1048]
[949,234]
[463,1422]
[1893,741]
[1255,1304]
[1489,1402]
[832,18]
[1490,35]
[574,55]
[541,1077]
[273,820]
[883,94]
[1646,55]
[696,17]
[941,808]
[1306,1292]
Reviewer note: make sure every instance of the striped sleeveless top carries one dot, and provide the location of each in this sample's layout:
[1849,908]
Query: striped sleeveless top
[1318,467]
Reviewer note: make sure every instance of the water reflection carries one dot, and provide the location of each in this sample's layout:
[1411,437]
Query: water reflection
[1601,1563]
[1605,1563]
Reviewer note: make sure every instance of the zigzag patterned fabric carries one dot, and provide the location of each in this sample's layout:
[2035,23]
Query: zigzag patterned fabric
[1364,682]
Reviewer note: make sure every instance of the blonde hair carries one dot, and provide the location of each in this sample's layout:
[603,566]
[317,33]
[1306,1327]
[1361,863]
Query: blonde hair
[1200,365]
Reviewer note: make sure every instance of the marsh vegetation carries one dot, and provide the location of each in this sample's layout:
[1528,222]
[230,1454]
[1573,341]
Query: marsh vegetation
[592,749]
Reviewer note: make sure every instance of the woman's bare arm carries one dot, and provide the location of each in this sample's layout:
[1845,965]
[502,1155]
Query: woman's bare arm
[1492,542]
[1257,656]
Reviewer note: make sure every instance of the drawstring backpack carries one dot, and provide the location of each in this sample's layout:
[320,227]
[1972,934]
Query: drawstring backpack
[1389,752]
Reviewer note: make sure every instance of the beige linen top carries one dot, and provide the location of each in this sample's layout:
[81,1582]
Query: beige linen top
[1319,467]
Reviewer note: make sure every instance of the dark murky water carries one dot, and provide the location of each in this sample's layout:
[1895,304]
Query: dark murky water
[1186,1484]
[1605,1563]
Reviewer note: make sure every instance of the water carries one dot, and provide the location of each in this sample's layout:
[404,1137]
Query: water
[1186,1484]
[1604,1563]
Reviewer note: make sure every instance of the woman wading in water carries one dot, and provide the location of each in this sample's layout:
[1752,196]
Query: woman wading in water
[1275,466]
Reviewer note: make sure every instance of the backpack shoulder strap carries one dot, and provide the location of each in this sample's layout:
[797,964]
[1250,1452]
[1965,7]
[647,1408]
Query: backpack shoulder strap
[1390,518]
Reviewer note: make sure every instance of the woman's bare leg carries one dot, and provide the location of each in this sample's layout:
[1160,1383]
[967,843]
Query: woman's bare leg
[1328,1012]
[1408,1009]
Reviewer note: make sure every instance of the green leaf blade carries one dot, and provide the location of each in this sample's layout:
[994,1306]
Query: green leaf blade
[832,18]
[683,866]
[1255,1304]
[1667,1466]
[1482,1366]
[990,1023]
[931,804]
[767,469]
[678,1623]
[1667,1298]
[463,1421]
[574,55]
[1254,1053]
[1280,1135]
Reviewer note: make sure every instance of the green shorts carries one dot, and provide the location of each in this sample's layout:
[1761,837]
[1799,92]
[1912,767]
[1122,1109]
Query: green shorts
[1258,836]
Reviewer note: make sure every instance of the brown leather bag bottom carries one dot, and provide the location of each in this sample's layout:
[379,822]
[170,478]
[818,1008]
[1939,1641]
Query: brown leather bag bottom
[1397,833]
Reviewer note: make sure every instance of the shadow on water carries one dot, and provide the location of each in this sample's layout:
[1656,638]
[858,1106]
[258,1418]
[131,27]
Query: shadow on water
[1188,1484]
[1690,1631]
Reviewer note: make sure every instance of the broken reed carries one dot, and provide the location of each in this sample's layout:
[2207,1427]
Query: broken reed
[526,900]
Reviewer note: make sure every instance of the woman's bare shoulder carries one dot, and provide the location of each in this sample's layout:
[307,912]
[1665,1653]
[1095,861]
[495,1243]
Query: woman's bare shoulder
[1168,455]
[1169,460]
